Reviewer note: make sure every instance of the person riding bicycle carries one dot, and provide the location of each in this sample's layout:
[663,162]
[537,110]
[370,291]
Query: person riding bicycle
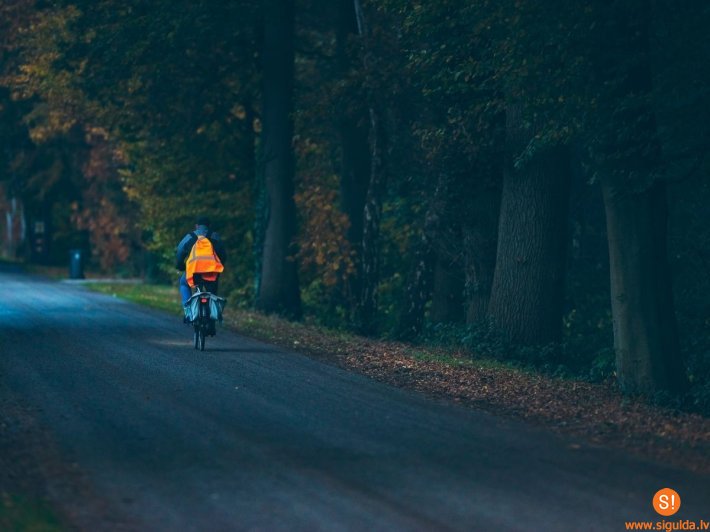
[200,270]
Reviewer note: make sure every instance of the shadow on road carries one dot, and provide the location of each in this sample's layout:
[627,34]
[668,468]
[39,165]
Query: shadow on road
[237,350]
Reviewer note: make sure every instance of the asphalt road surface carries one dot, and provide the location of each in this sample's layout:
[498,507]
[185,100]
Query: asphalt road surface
[247,436]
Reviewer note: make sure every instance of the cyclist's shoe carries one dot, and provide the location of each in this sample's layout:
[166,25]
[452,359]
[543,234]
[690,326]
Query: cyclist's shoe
[212,331]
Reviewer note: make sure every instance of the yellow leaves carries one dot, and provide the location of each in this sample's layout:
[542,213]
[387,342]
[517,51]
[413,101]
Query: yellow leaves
[53,123]
[134,84]
[39,39]
[324,247]
[238,111]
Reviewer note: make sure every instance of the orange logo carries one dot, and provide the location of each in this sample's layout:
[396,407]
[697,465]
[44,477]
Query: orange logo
[666,502]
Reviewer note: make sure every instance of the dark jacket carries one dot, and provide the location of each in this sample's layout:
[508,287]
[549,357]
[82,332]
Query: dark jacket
[185,246]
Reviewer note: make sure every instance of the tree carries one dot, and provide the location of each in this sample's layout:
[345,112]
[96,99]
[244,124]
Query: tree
[528,284]
[540,70]
[454,118]
[354,147]
[372,211]
[421,283]
[630,161]
[278,287]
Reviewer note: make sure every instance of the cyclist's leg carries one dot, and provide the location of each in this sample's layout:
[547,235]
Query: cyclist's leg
[185,290]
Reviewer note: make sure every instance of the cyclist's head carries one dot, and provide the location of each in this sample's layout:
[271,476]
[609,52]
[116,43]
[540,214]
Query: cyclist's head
[203,220]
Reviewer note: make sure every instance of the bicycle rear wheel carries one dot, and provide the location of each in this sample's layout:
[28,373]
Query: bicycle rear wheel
[202,339]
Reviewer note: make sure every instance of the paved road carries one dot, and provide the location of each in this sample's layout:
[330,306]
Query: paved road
[247,436]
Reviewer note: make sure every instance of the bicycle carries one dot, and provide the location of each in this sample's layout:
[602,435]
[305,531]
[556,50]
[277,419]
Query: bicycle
[203,310]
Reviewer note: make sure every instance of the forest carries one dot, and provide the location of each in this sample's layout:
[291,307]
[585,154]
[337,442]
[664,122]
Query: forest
[524,181]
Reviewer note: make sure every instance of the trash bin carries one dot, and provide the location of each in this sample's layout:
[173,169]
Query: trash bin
[76,264]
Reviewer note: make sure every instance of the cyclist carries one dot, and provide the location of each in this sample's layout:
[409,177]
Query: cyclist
[204,271]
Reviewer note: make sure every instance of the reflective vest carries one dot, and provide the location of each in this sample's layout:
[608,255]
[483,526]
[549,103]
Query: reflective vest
[203,260]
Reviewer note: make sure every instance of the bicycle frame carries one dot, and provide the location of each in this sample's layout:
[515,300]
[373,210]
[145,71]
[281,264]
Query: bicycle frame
[203,325]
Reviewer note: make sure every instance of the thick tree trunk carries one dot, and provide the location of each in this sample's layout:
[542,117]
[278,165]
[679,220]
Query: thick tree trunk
[528,284]
[278,288]
[645,334]
[480,236]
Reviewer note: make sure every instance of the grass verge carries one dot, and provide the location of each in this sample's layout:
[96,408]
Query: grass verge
[596,413]
[155,296]
[19,514]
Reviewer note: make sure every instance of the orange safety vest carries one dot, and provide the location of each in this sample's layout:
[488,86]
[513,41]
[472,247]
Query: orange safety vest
[202,260]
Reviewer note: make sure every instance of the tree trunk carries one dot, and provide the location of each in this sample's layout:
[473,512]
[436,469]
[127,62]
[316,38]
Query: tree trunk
[278,287]
[480,235]
[370,261]
[645,334]
[529,279]
[645,329]
[355,149]
[372,212]
[420,282]
[354,179]
[418,290]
